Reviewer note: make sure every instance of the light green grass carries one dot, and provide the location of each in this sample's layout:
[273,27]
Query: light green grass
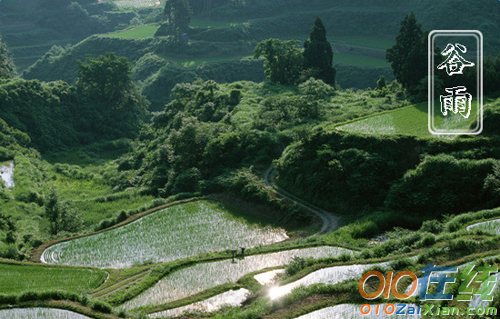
[410,120]
[194,279]
[94,211]
[39,313]
[174,233]
[140,32]
[21,278]
[361,60]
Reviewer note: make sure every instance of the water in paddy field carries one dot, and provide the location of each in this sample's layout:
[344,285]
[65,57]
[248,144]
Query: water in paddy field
[491,226]
[39,313]
[329,276]
[194,279]
[7,174]
[232,298]
[268,278]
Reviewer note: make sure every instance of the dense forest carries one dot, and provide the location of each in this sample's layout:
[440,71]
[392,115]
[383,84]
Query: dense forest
[306,120]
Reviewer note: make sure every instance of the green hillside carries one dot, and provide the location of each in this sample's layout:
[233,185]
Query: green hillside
[234,159]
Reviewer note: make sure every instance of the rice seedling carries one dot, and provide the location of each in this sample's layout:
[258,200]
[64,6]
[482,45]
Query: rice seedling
[492,226]
[21,278]
[40,313]
[7,173]
[174,233]
[330,276]
[350,311]
[197,278]
[410,120]
[232,298]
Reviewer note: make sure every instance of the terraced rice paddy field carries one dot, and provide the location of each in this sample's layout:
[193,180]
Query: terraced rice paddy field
[22,278]
[231,298]
[39,313]
[492,226]
[328,276]
[174,233]
[410,120]
[200,277]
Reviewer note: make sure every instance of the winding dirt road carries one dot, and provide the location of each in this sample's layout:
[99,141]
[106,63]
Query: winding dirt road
[330,221]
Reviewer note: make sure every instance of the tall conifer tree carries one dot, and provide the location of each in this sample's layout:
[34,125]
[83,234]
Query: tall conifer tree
[318,54]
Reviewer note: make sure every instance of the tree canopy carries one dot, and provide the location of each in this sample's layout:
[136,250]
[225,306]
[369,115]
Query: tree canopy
[318,54]
[6,62]
[178,13]
[406,55]
[284,60]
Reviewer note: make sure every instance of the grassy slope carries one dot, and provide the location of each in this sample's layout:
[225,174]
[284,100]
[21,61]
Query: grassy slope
[410,120]
[19,278]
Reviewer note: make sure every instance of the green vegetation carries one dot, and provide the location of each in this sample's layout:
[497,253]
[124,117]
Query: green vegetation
[142,147]
[491,226]
[175,233]
[140,32]
[318,55]
[40,313]
[411,120]
[6,62]
[55,115]
[194,279]
[20,278]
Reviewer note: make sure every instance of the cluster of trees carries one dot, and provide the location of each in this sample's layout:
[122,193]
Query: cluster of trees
[351,174]
[286,64]
[6,62]
[104,104]
[177,15]
[409,55]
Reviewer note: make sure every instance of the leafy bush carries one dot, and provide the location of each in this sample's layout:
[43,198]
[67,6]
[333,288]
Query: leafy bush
[420,191]
[101,306]
[367,229]
[296,265]
[432,226]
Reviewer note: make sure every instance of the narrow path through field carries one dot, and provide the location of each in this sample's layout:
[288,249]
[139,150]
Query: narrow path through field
[330,220]
[122,284]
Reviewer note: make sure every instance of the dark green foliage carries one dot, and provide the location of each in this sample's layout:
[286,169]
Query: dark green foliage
[381,83]
[106,82]
[284,60]
[432,226]
[296,265]
[55,115]
[318,54]
[101,306]
[105,78]
[355,170]
[441,185]
[406,55]
[178,15]
[6,62]
[61,218]
[349,173]
[365,230]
